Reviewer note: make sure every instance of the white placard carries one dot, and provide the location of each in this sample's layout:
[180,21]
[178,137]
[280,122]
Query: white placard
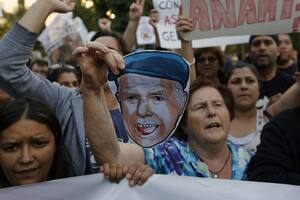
[168,14]
[145,32]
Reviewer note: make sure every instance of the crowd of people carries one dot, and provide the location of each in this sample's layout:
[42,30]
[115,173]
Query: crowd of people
[191,113]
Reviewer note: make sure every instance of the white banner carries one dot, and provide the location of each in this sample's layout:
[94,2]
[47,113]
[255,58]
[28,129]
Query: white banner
[214,18]
[145,32]
[95,187]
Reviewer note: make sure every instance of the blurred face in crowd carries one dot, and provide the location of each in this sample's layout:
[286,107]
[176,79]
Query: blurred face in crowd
[207,64]
[27,150]
[244,86]
[263,52]
[285,47]
[208,118]
[151,107]
[68,79]
[41,70]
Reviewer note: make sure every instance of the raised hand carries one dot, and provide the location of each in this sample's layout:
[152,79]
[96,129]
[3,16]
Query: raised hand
[136,10]
[183,25]
[61,6]
[94,60]
[104,24]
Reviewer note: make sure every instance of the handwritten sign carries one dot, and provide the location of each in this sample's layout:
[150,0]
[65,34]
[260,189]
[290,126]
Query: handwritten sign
[214,18]
[168,14]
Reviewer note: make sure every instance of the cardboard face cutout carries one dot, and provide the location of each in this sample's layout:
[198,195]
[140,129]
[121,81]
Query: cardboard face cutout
[152,92]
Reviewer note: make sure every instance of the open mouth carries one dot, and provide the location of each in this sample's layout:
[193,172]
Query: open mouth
[213,125]
[146,129]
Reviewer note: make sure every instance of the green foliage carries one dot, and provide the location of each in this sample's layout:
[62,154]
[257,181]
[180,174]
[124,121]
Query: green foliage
[120,8]
[89,16]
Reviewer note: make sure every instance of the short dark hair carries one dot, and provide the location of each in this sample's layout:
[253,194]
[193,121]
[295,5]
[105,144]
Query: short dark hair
[201,83]
[273,36]
[121,42]
[26,108]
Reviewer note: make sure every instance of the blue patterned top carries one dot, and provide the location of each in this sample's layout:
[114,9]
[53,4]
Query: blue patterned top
[176,157]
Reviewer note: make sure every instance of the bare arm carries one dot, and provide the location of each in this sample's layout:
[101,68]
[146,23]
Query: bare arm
[135,12]
[183,26]
[98,123]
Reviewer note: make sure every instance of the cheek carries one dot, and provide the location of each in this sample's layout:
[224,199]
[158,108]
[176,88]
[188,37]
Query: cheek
[8,160]
[128,108]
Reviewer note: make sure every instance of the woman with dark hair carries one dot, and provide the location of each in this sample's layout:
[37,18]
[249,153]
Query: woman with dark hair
[250,116]
[31,144]
[209,63]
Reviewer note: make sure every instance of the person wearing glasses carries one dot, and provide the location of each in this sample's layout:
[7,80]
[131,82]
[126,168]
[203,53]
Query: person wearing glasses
[209,63]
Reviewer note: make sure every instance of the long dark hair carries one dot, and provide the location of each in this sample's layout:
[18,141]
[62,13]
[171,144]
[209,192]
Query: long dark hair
[32,109]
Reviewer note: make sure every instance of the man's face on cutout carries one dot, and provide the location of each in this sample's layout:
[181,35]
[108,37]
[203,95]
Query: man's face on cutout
[151,107]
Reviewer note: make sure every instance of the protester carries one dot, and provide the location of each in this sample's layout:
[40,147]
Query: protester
[40,67]
[135,12]
[209,63]
[206,153]
[263,54]
[287,59]
[277,157]
[65,75]
[205,62]
[245,128]
[32,148]
[19,81]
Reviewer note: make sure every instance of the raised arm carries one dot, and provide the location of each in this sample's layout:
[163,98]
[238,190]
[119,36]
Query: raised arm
[94,61]
[290,99]
[36,16]
[183,26]
[135,12]
[15,77]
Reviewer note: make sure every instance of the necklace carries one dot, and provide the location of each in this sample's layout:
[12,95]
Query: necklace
[215,174]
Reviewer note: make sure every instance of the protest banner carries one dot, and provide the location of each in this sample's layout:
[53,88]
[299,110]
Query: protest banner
[214,18]
[168,14]
[95,187]
[145,32]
